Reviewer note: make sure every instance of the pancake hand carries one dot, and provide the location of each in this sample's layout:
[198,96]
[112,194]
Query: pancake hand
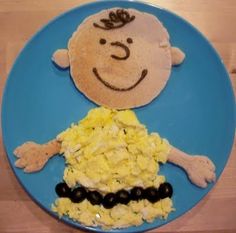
[199,169]
[32,156]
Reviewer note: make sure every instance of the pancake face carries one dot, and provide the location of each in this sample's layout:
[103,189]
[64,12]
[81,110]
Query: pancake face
[120,58]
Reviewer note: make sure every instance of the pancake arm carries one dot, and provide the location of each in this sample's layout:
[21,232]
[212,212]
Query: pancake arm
[32,157]
[61,58]
[200,169]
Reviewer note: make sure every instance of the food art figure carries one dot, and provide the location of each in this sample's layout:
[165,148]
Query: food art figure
[120,59]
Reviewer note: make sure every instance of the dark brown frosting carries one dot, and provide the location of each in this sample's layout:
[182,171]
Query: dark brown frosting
[123,46]
[116,19]
[112,87]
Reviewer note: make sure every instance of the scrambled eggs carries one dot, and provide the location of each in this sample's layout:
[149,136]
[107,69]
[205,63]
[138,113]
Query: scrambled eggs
[107,151]
[120,216]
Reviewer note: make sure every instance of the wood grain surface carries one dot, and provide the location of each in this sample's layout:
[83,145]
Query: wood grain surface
[20,19]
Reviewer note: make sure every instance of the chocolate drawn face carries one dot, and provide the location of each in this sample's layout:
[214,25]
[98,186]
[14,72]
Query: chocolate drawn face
[116,20]
[117,57]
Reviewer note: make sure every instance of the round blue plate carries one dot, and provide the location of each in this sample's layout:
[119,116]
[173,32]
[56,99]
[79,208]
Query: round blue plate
[195,112]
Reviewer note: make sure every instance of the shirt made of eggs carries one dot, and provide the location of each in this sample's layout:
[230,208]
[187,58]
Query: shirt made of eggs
[110,150]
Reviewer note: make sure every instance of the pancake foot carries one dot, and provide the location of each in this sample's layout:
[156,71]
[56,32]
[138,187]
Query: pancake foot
[200,169]
[61,58]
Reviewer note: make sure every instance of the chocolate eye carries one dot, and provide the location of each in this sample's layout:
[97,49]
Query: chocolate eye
[102,41]
[129,40]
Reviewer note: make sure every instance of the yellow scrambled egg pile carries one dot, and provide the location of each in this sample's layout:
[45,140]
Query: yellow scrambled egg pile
[107,151]
[120,216]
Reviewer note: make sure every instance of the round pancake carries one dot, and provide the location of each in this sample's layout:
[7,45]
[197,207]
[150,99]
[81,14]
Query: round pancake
[120,58]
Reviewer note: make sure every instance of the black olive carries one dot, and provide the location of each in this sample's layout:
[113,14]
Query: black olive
[78,194]
[165,190]
[123,197]
[152,194]
[62,190]
[137,193]
[109,200]
[94,197]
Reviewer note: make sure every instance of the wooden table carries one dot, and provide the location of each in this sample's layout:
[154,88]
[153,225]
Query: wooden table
[20,19]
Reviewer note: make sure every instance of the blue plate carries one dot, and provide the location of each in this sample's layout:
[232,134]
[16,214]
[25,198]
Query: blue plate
[195,112]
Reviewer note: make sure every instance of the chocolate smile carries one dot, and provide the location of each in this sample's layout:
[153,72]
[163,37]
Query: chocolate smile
[110,86]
